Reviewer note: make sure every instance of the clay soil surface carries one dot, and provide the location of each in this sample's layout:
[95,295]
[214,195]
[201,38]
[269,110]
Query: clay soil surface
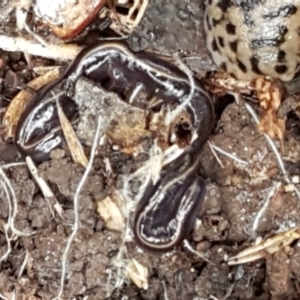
[238,188]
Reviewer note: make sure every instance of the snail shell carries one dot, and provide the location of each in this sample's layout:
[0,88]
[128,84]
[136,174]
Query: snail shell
[254,38]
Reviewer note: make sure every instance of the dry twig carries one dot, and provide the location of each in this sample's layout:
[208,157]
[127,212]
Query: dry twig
[45,189]
[62,52]
[265,247]
[73,142]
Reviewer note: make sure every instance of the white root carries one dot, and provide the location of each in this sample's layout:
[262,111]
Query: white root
[172,114]
[235,158]
[23,266]
[64,259]
[11,222]
[201,255]
[6,226]
[263,209]
[165,290]
[215,154]
[12,210]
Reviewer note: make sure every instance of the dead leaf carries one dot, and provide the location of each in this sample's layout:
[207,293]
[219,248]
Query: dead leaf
[270,95]
[19,102]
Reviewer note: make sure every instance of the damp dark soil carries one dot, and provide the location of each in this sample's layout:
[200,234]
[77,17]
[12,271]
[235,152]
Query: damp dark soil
[99,262]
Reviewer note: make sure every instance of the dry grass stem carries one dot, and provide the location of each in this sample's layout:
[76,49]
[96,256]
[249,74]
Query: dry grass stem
[56,52]
[73,142]
[45,189]
[264,247]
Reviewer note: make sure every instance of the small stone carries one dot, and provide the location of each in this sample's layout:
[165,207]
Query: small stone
[203,246]
[296,179]
[57,154]
[289,188]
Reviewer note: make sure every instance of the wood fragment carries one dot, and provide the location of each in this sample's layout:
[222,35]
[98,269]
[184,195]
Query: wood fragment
[27,45]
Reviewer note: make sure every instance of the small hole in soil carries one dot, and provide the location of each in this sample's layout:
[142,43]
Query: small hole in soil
[183,132]
[221,103]
[214,222]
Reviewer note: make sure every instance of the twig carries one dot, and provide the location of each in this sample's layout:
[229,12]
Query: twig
[48,194]
[75,207]
[55,52]
[275,151]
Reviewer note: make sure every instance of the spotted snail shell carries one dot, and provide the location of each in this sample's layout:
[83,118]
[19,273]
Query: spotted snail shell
[253,38]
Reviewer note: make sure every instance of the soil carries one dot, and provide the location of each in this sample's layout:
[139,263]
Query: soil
[98,260]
